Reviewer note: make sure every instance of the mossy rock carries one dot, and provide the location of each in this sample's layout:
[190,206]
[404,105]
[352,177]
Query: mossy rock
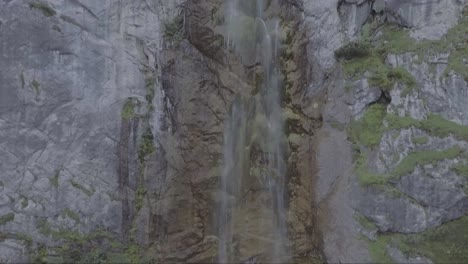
[43,7]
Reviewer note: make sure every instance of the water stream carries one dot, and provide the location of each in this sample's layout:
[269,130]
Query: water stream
[252,210]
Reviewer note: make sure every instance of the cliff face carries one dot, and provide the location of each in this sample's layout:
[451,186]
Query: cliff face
[396,126]
[112,115]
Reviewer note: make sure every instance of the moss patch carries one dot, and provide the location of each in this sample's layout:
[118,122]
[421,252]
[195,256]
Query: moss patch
[96,247]
[358,49]
[7,218]
[461,170]
[420,140]
[43,7]
[128,109]
[434,124]
[36,86]
[368,131]
[365,177]
[397,40]
[174,30]
[421,158]
[443,244]
[140,196]
[54,181]
[24,203]
[378,250]
[146,146]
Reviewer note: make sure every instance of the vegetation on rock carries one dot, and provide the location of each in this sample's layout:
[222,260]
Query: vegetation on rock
[443,244]
[7,218]
[43,7]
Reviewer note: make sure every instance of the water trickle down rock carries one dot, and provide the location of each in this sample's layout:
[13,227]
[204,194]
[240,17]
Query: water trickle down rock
[253,179]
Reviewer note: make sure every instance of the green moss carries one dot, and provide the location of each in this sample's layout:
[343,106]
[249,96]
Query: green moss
[24,203]
[80,187]
[378,250]
[358,49]
[40,256]
[434,125]
[140,196]
[128,109]
[150,90]
[7,218]
[365,222]
[44,227]
[363,56]
[36,86]
[421,158]
[94,247]
[461,169]
[397,40]
[420,140]
[444,244]
[71,214]
[174,30]
[133,254]
[365,177]
[146,146]
[27,240]
[355,68]
[368,131]
[54,181]
[439,126]
[43,7]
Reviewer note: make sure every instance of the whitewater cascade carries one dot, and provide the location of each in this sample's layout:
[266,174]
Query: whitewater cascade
[253,177]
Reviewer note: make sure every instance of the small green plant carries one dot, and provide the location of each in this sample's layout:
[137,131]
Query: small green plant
[7,218]
[43,7]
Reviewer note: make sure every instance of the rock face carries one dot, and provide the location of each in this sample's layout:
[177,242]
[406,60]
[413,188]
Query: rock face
[409,182]
[112,116]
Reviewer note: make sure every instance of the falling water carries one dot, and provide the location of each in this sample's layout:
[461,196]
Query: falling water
[254,143]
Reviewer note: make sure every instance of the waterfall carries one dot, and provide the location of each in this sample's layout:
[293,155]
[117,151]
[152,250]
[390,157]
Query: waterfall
[253,176]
